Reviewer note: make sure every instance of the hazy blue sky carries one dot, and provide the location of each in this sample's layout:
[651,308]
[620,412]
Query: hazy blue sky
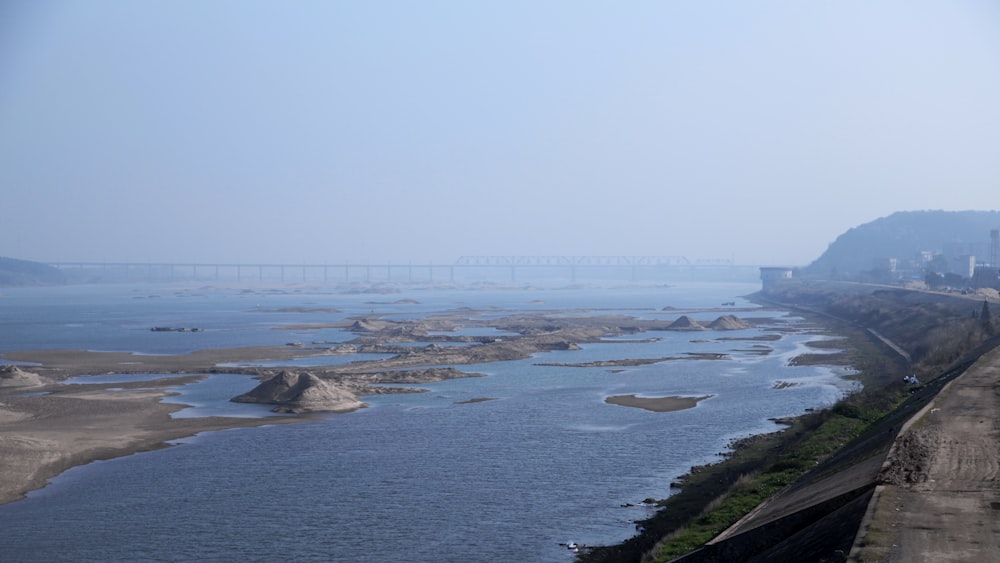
[415,131]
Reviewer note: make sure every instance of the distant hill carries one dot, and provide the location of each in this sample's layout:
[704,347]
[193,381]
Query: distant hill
[24,272]
[904,236]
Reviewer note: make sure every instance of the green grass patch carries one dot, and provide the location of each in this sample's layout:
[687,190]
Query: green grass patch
[833,432]
[712,498]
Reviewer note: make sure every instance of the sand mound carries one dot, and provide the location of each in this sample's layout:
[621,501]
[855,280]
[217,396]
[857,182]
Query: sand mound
[301,392]
[728,322]
[13,376]
[365,325]
[685,323]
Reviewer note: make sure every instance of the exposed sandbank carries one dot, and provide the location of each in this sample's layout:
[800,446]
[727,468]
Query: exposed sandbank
[43,435]
[475,400]
[656,404]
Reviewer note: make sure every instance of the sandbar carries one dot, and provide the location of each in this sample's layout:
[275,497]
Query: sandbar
[475,400]
[42,435]
[46,429]
[656,404]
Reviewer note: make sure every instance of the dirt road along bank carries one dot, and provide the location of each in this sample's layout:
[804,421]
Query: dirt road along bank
[827,514]
[940,498]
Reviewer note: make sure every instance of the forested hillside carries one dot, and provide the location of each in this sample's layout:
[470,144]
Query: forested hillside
[904,236]
[24,272]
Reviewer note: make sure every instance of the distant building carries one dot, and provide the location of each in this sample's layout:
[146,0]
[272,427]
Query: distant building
[769,275]
[964,258]
[885,265]
[965,265]
[985,276]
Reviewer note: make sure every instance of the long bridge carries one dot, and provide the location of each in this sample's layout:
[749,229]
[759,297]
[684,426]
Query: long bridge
[466,268]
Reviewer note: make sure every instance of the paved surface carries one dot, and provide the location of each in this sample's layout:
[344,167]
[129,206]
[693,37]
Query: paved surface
[944,503]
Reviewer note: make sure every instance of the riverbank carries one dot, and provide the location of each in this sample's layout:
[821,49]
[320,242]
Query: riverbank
[811,484]
[705,487]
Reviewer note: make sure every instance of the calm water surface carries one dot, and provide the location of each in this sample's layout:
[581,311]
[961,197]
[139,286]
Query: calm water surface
[414,477]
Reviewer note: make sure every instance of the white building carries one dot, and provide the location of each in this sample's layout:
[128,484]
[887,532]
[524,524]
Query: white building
[769,275]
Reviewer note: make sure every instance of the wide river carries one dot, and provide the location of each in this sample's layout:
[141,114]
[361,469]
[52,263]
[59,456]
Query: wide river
[413,477]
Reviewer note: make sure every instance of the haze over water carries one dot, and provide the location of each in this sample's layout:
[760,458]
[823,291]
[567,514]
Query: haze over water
[241,132]
[414,477]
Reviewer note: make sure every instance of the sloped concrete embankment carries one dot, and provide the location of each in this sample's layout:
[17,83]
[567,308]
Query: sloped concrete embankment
[819,516]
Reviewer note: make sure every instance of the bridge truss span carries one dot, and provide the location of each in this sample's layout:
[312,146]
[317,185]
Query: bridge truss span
[466,268]
[586,261]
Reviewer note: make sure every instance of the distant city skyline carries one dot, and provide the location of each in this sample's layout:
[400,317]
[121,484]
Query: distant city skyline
[393,132]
